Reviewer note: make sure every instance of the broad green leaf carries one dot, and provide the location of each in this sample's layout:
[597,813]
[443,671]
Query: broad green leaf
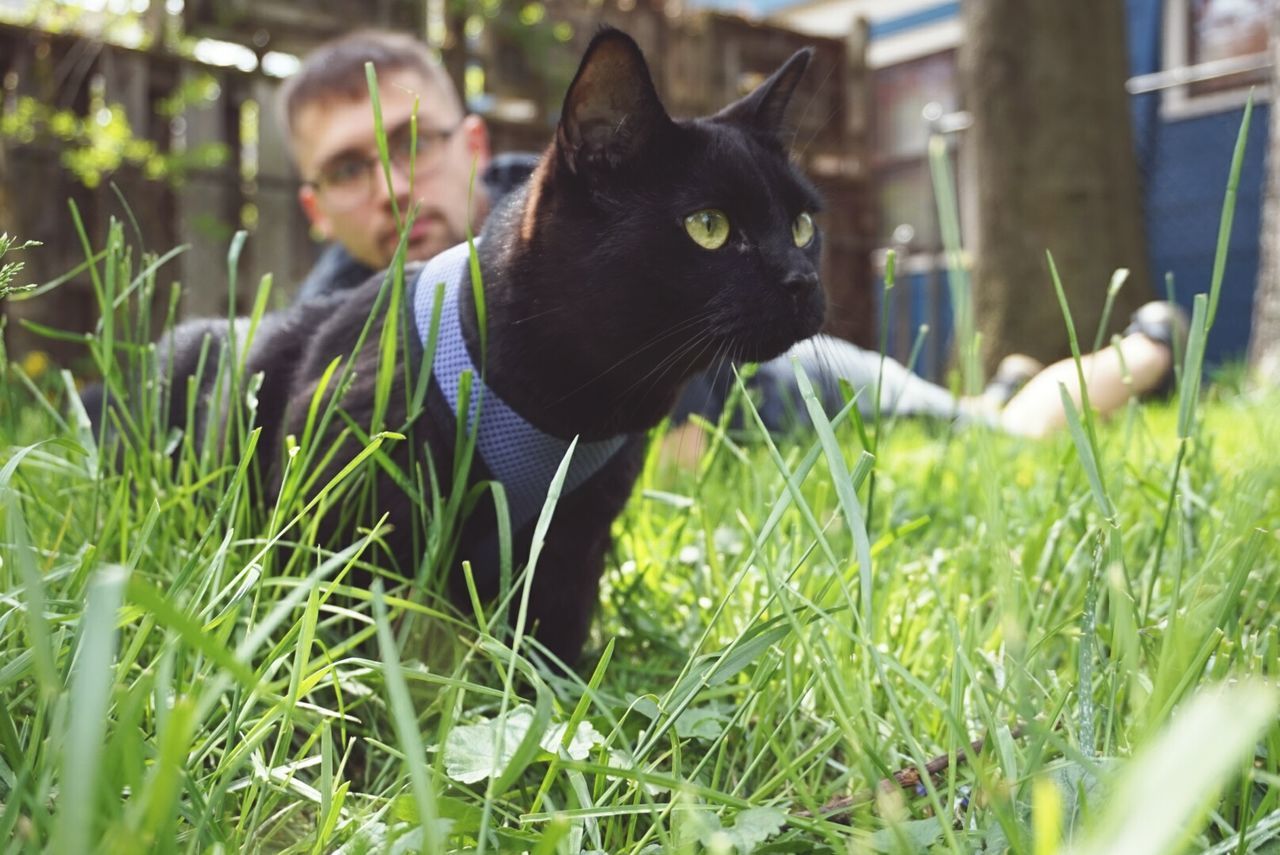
[470,753]
[919,834]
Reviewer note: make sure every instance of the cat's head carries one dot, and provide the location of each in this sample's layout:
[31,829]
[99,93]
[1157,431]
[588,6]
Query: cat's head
[702,222]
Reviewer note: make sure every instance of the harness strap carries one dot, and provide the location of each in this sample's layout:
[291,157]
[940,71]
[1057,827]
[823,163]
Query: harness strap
[518,454]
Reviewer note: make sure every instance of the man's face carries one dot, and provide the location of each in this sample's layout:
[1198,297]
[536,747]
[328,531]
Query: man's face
[346,196]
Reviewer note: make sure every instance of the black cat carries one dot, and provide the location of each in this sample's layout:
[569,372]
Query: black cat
[641,249]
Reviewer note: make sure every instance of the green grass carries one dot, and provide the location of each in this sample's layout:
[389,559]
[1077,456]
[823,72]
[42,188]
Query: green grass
[182,671]
[781,630]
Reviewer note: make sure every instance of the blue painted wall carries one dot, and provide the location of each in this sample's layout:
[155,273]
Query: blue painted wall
[1184,166]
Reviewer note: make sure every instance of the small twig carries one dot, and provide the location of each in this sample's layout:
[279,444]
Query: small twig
[908,778]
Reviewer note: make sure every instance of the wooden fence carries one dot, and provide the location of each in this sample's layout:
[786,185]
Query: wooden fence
[700,62]
[201,211]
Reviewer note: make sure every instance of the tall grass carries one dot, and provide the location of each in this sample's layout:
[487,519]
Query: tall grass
[182,669]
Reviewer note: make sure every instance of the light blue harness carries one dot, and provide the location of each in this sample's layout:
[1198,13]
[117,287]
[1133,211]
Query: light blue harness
[522,457]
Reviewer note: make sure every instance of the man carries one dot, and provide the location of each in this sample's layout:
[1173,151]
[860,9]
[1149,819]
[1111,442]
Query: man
[329,116]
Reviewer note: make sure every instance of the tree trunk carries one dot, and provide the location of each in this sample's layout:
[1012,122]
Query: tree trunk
[1052,143]
[1264,342]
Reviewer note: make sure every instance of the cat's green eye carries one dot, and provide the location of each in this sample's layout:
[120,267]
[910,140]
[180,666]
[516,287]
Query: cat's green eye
[802,230]
[709,228]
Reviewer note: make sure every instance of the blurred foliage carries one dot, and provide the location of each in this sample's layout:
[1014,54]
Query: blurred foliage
[528,41]
[98,143]
[113,21]
[525,45]
[102,140]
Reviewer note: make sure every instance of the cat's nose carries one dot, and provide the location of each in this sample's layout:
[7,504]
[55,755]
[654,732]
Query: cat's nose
[799,284]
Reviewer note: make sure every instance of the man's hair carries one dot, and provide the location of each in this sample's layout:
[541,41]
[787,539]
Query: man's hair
[335,70]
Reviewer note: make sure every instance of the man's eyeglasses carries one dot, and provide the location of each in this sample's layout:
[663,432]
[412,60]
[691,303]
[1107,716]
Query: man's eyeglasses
[349,180]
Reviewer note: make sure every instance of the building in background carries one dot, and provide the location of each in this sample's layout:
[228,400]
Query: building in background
[1192,65]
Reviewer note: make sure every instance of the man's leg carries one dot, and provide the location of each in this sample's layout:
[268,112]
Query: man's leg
[1140,363]
[828,360]
[1037,409]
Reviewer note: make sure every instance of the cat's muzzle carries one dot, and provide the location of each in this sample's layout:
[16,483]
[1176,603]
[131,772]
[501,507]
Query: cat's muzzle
[772,333]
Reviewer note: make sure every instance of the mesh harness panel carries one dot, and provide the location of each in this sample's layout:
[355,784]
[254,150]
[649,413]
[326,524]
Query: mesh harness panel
[518,454]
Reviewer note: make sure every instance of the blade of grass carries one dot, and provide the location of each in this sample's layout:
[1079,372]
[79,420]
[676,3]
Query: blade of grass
[406,729]
[90,694]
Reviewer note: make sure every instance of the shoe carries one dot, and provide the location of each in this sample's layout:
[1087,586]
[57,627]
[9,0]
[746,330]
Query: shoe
[1164,323]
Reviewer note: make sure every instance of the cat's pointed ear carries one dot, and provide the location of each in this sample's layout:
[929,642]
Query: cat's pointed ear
[765,108]
[611,111]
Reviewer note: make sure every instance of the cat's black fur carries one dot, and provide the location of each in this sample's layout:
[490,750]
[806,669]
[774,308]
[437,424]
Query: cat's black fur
[600,308]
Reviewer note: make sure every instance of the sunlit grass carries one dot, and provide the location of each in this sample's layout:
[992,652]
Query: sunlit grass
[182,668]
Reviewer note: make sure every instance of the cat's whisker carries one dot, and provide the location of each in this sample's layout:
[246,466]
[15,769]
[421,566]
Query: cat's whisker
[669,362]
[722,364]
[713,361]
[802,150]
[672,360]
[824,351]
[817,90]
[862,391]
[712,376]
[536,315]
[670,331]
[654,341]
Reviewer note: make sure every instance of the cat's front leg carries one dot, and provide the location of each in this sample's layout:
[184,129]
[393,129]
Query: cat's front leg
[566,584]
[565,593]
